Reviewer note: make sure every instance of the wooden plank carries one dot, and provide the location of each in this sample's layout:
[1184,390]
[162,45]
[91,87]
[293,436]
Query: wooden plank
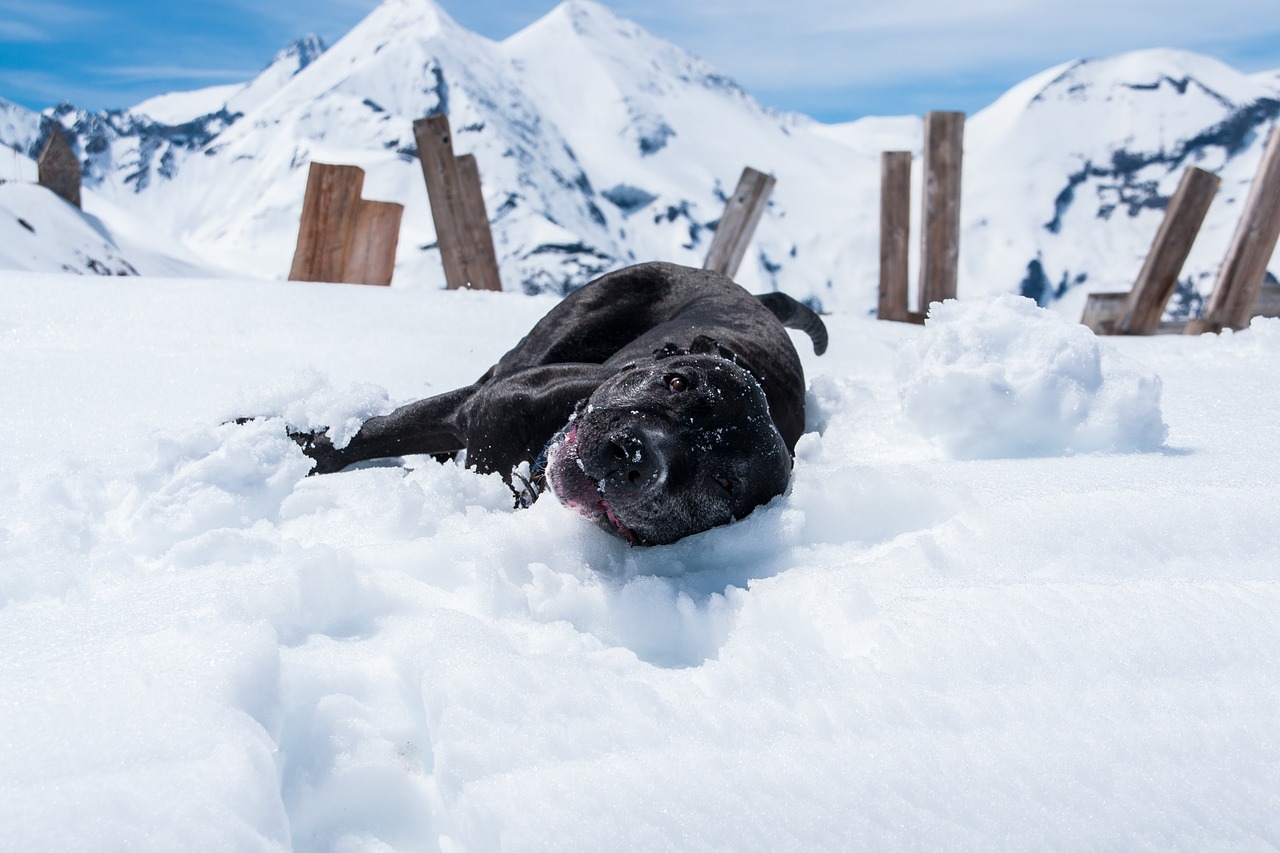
[1101,311]
[742,214]
[940,211]
[329,211]
[1143,309]
[1244,269]
[57,168]
[439,169]
[477,239]
[372,258]
[895,233]
[1268,304]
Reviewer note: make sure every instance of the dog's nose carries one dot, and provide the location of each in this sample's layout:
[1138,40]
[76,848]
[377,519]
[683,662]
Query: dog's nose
[635,459]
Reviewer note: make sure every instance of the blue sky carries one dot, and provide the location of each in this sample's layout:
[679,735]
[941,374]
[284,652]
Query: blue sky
[832,59]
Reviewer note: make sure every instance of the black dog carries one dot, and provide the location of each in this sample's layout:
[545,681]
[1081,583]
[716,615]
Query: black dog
[659,401]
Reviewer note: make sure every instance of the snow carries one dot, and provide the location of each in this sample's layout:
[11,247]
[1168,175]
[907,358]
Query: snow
[181,107]
[200,648]
[1065,180]
[1000,377]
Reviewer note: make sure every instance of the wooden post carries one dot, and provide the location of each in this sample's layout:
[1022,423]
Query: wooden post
[895,232]
[742,213]
[329,211]
[58,169]
[462,229]
[1103,309]
[1245,267]
[481,259]
[372,257]
[1268,304]
[1142,310]
[940,212]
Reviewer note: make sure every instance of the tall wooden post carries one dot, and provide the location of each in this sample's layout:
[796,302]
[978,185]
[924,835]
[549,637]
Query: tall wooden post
[58,169]
[329,211]
[1144,306]
[1244,269]
[742,214]
[372,257]
[481,259]
[468,257]
[940,211]
[895,232]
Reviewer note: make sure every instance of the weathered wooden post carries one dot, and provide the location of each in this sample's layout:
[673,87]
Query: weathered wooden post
[329,211]
[895,232]
[467,256]
[58,169]
[738,223]
[1144,306]
[372,256]
[482,259]
[940,212]
[1244,269]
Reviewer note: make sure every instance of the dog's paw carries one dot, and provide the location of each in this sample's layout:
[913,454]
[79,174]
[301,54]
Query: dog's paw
[318,446]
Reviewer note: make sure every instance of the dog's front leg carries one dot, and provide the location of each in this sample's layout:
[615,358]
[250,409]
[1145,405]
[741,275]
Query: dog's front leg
[425,426]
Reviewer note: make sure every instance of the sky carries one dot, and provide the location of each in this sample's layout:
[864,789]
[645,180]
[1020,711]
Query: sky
[835,60]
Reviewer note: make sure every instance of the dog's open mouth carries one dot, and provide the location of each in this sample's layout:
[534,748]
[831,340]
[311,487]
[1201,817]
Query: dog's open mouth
[573,488]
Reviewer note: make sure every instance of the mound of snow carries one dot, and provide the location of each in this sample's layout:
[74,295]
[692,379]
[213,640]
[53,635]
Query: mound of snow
[1003,378]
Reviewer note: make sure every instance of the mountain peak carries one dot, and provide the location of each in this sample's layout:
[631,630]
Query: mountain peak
[418,18]
[301,52]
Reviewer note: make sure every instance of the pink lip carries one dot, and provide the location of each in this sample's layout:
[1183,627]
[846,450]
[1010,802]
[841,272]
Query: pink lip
[573,488]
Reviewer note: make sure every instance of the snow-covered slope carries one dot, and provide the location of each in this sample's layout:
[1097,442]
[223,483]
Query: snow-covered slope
[203,649]
[665,138]
[599,144]
[41,231]
[1068,174]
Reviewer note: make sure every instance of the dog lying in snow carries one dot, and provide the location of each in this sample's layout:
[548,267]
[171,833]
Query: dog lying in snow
[659,401]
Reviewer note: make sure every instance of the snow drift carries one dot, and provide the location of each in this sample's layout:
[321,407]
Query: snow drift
[999,377]
[201,648]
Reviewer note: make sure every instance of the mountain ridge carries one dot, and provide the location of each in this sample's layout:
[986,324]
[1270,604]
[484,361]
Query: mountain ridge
[600,144]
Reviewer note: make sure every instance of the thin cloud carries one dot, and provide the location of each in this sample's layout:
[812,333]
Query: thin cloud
[18,31]
[44,21]
[137,73]
[811,46]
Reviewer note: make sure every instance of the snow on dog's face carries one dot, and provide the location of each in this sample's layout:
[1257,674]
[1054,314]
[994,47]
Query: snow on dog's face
[668,448]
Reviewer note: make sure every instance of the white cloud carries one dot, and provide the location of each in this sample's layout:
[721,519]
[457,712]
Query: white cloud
[19,31]
[827,44]
[173,72]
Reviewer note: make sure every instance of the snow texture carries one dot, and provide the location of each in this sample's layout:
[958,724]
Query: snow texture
[1000,377]
[203,649]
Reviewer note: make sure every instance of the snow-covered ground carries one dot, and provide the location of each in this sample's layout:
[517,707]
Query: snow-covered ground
[947,635]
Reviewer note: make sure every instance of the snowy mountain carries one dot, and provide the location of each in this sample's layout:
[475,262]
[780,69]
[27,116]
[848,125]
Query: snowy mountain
[1068,174]
[237,98]
[600,144]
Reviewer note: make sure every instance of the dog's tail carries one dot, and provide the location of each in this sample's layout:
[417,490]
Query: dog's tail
[798,316]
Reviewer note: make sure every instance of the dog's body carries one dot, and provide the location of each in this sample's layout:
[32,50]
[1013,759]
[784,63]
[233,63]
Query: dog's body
[667,400]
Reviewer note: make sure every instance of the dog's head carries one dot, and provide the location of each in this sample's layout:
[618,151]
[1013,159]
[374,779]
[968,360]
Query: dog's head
[669,447]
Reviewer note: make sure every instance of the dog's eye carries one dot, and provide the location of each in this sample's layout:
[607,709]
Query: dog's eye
[677,383]
[723,482]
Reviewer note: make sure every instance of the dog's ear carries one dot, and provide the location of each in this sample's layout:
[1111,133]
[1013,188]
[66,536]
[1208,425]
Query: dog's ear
[703,344]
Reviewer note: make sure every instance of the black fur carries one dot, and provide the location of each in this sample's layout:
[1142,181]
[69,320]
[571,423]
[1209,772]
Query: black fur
[674,398]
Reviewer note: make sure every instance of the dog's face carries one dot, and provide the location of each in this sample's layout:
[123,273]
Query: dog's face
[670,447]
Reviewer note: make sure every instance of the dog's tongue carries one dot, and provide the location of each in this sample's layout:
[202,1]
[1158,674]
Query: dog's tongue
[573,488]
[627,532]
